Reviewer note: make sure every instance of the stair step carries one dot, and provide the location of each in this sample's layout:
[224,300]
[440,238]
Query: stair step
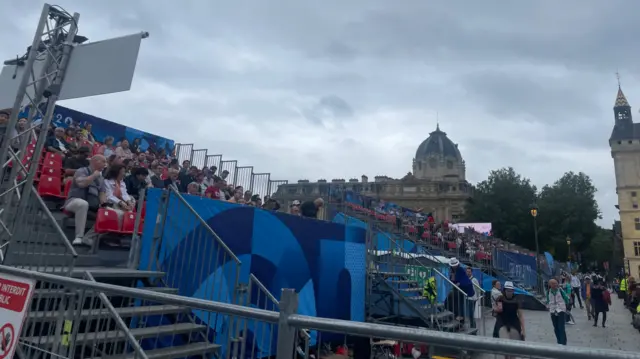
[117,335]
[182,351]
[402,281]
[389,274]
[123,312]
[415,289]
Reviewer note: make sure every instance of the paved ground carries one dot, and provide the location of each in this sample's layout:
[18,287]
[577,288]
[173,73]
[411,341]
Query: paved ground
[619,333]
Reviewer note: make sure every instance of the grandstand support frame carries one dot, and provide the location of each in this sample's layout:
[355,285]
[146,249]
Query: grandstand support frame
[56,45]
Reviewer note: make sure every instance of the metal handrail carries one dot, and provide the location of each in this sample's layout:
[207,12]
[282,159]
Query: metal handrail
[471,343]
[206,225]
[119,322]
[253,279]
[49,215]
[422,264]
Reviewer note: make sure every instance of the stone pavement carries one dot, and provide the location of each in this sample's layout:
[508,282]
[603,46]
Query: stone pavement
[619,333]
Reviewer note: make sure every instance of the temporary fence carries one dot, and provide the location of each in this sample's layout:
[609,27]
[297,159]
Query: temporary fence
[75,328]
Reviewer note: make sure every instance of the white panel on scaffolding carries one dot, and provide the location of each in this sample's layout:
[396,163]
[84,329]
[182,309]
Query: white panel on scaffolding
[10,78]
[95,68]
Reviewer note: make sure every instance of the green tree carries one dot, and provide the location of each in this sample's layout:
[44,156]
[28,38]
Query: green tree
[568,209]
[601,247]
[504,199]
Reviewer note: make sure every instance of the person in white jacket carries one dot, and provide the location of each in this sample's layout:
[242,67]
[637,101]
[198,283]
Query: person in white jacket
[473,301]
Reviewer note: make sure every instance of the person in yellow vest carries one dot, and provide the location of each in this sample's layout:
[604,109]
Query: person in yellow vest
[636,318]
[623,289]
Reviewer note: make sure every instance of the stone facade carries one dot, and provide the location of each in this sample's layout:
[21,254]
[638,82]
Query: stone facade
[625,151]
[437,184]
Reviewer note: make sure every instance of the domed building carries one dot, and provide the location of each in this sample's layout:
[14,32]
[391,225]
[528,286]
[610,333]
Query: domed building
[438,159]
[437,183]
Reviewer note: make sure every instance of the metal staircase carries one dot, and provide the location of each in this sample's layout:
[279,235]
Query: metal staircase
[395,289]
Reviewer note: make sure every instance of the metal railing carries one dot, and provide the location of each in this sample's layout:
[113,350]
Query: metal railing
[384,337]
[37,241]
[394,263]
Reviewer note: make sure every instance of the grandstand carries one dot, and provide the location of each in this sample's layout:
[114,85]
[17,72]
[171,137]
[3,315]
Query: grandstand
[351,266]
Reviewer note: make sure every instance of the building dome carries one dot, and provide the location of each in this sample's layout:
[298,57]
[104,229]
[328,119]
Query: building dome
[438,144]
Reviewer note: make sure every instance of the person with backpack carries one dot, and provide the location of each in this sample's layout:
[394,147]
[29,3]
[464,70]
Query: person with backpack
[557,303]
[601,302]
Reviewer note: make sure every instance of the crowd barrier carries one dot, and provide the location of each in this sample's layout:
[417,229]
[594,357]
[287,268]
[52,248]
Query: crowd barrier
[381,338]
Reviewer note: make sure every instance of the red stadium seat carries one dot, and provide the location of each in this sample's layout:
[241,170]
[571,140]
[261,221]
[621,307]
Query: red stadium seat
[52,156]
[128,222]
[50,186]
[52,163]
[67,188]
[107,221]
[96,148]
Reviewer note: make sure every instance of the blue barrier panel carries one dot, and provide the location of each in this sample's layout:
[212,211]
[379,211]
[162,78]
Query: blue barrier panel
[101,128]
[323,261]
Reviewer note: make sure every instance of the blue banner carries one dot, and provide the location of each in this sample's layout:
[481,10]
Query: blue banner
[101,128]
[323,261]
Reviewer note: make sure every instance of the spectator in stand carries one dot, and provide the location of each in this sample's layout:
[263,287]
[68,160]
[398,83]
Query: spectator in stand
[237,197]
[172,178]
[128,165]
[187,177]
[213,169]
[202,187]
[137,181]
[123,151]
[247,196]
[87,132]
[21,126]
[186,164]
[270,204]
[141,160]
[70,137]
[224,175]
[88,192]
[174,164]
[82,140]
[117,194]
[57,143]
[256,201]
[135,146]
[294,208]
[193,189]
[215,191]
[107,148]
[75,162]
[4,119]
[155,174]
[310,209]
[208,176]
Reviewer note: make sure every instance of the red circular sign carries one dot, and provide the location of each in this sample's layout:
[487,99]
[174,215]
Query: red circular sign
[7,339]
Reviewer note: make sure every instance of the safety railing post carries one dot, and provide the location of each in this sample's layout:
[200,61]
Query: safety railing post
[286,333]
[136,245]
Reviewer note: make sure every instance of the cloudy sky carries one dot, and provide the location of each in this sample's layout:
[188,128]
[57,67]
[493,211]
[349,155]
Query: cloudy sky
[337,89]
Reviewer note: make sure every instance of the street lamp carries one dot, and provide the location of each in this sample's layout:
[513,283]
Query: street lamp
[533,209]
[569,247]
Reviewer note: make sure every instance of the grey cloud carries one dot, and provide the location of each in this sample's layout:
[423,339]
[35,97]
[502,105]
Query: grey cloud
[259,80]
[547,99]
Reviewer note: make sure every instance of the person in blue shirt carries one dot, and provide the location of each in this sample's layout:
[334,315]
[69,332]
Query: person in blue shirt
[459,278]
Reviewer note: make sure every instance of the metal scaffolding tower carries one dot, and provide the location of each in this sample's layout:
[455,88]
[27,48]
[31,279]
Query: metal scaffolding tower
[57,66]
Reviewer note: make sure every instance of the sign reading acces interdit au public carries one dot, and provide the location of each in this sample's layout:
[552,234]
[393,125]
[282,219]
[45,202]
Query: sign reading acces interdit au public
[15,300]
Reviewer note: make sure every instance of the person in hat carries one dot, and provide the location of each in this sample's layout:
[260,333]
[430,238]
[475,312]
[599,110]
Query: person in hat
[461,280]
[510,313]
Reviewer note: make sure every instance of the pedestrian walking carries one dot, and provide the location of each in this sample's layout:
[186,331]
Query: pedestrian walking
[586,295]
[512,319]
[601,302]
[575,290]
[495,294]
[557,303]
[566,287]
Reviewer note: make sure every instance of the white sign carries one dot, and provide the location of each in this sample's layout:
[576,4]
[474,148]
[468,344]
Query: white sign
[15,300]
